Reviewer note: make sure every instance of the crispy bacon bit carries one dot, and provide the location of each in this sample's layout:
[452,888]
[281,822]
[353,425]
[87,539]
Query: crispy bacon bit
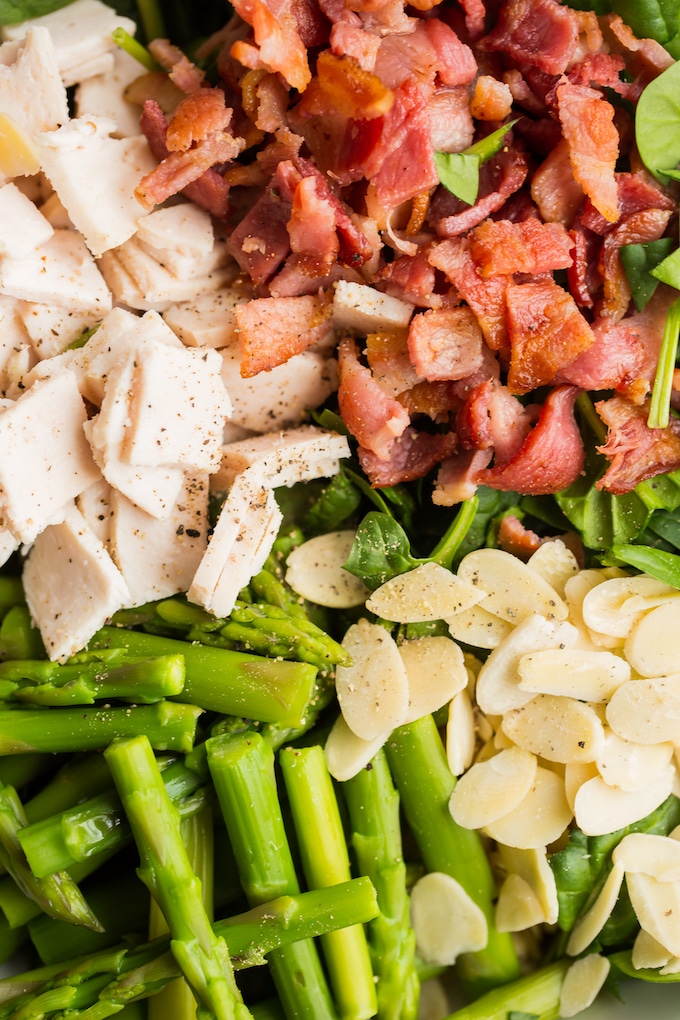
[514,538]
[535,32]
[180,169]
[457,477]
[260,243]
[547,332]
[445,343]
[492,99]
[583,276]
[272,330]
[412,455]
[634,451]
[638,228]
[278,46]
[388,358]
[635,193]
[587,121]
[403,164]
[350,40]
[492,418]
[554,188]
[374,418]
[183,73]
[500,247]
[613,362]
[486,298]
[654,58]
[350,90]
[412,279]
[498,179]
[199,115]
[550,458]
[311,228]
[451,125]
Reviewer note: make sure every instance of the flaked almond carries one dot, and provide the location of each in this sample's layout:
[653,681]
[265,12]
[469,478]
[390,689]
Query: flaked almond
[648,648]
[518,907]
[599,808]
[604,607]
[575,776]
[649,854]
[373,691]
[446,921]
[428,592]
[491,788]
[460,734]
[631,766]
[657,908]
[436,671]
[646,711]
[478,627]
[514,590]
[532,865]
[555,563]
[539,819]
[346,754]
[588,927]
[573,672]
[315,571]
[647,952]
[557,729]
[582,982]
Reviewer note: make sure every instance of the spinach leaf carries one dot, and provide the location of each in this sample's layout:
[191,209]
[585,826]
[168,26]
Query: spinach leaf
[664,566]
[581,867]
[490,503]
[12,12]
[459,171]
[668,271]
[649,19]
[381,550]
[659,493]
[338,501]
[638,260]
[667,527]
[657,123]
[601,518]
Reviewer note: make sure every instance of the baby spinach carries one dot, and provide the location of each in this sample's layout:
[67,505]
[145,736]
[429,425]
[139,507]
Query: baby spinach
[459,171]
[334,505]
[638,260]
[657,123]
[664,566]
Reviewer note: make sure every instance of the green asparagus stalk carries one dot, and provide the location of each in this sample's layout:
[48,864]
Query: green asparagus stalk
[420,770]
[18,770]
[536,995]
[143,681]
[373,808]
[99,824]
[12,939]
[224,681]
[325,862]
[58,895]
[166,871]
[242,768]
[80,777]
[169,726]
[19,639]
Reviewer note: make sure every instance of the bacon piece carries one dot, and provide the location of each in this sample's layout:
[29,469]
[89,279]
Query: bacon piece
[475,16]
[198,115]
[547,332]
[260,243]
[278,45]
[445,343]
[402,165]
[500,247]
[583,275]
[550,458]
[272,330]
[486,298]
[601,69]
[412,455]
[374,418]
[388,357]
[434,399]
[455,62]
[554,188]
[349,40]
[457,477]
[587,121]
[492,418]
[492,99]
[638,228]
[185,75]
[345,88]
[411,278]
[635,192]
[180,169]
[634,451]
[514,538]
[613,362]
[294,279]
[653,57]
[498,179]
[311,228]
[535,32]
[451,125]
[354,247]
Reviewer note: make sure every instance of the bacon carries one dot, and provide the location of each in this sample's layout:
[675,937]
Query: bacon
[374,418]
[492,99]
[634,451]
[638,228]
[457,477]
[634,193]
[514,538]
[345,88]
[198,115]
[550,458]
[554,188]
[613,362]
[411,278]
[311,228]
[349,40]
[583,275]
[602,69]
[451,126]
[653,57]
[388,357]
[455,62]
[486,298]
[272,330]
[475,16]
[492,418]
[587,121]
[412,456]
[180,169]
[535,32]
[500,247]
[354,247]
[185,75]
[547,332]
[294,279]
[260,243]
[445,343]
[434,399]
[498,179]
[278,45]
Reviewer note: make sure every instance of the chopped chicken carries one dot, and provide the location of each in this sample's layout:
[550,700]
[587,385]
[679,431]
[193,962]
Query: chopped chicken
[282,458]
[52,329]
[102,95]
[31,90]
[366,310]
[61,272]
[22,227]
[206,320]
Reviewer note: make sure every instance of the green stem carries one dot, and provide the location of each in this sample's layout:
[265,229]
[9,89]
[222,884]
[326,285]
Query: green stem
[659,408]
[47,683]
[135,49]
[536,995]
[447,547]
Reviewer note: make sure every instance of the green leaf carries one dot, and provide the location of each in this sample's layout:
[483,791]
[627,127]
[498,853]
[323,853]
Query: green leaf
[673,174]
[664,566]
[667,527]
[659,408]
[491,502]
[659,493]
[459,173]
[638,260]
[12,12]
[381,550]
[488,146]
[657,122]
[518,1015]
[668,271]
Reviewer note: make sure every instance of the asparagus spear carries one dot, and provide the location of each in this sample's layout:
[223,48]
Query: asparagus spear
[224,681]
[166,871]
[19,639]
[58,895]
[242,768]
[325,862]
[168,726]
[373,807]
[418,764]
[142,681]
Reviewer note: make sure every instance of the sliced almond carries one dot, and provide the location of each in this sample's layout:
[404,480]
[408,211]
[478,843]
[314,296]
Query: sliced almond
[672,967]
[604,607]
[373,691]
[460,734]
[649,854]
[478,627]
[555,563]
[575,776]
[518,907]
[647,952]
[498,688]
[491,788]
[588,927]
[540,819]
[582,983]
[557,729]
[315,571]
[575,591]
[514,590]
[346,754]
[648,648]
[657,907]
[631,766]
[647,711]
[599,808]
[532,865]
[446,921]
[573,672]
[429,592]
[436,671]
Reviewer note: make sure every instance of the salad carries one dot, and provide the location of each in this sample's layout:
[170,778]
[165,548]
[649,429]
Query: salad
[339,495]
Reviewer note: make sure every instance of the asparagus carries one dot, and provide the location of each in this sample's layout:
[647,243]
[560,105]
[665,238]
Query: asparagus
[58,895]
[536,995]
[19,639]
[242,768]
[373,807]
[142,681]
[224,681]
[79,777]
[325,862]
[418,764]
[168,725]
[76,834]
[18,770]
[166,871]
